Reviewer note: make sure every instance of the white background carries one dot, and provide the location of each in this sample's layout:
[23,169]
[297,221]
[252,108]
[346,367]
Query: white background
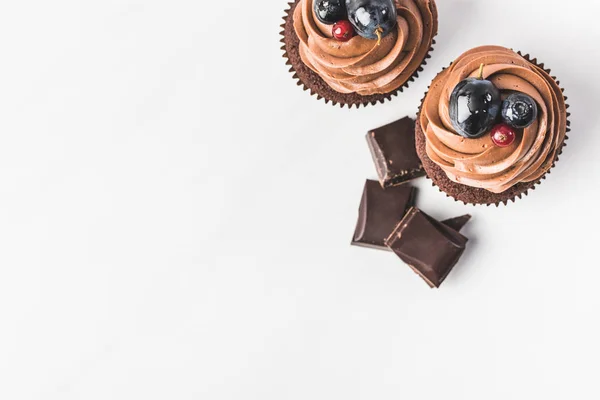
[175,218]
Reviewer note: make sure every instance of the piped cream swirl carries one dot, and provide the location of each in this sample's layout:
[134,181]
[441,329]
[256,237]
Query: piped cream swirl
[360,65]
[478,162]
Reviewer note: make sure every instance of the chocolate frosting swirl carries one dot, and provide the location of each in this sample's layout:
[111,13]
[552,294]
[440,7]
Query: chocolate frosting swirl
[360,65]
[478,162]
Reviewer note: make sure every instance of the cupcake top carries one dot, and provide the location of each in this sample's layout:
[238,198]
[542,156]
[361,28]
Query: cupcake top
[481,162]
[362,65]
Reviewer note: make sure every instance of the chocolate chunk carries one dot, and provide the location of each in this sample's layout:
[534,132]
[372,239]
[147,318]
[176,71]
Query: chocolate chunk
[380,211]
[429,247]
[394,153]
[457,223]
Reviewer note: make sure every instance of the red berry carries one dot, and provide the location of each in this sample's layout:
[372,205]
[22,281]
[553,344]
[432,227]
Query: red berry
[503,135]
[342,31]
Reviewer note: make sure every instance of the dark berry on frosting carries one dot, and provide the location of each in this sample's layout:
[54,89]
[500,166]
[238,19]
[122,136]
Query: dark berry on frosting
[342,31]
[474,106]
[330,11]
[503,135]
[519,110]
[372,19]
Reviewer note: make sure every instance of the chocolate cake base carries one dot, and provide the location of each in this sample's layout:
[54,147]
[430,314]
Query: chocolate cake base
[312,81]
[471,195]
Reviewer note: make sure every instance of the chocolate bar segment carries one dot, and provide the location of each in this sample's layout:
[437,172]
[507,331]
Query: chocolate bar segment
[394,153]
[379,213]
[457,223]
[429,247]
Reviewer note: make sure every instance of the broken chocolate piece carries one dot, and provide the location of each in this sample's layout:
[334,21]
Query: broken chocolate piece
[429,247]
[457,223]
[380,211]
[394,153]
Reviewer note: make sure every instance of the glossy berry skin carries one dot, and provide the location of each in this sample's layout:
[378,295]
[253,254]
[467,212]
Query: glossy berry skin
[503,135]
[372,19]
[474,107]
[342,31]
[330,11]
[519,110]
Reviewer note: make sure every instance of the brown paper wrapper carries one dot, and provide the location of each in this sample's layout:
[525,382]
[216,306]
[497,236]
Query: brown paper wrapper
[477,196]
[312,82]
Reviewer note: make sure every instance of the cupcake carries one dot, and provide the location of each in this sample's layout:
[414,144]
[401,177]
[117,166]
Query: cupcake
[354,52]
[491,126]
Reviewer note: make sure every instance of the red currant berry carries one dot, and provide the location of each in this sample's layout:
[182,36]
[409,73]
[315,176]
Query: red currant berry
[503,135]
[342,31]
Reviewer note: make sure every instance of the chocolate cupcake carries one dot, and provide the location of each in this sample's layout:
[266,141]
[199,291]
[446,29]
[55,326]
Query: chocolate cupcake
[358,60]
[496,147]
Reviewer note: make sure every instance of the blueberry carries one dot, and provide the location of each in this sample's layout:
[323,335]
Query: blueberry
[372,19]
[519,110]
[474,106]
[330,11]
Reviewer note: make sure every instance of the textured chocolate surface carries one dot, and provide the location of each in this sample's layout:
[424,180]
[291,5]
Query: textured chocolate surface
[428,246]
[394,153]
[380,211]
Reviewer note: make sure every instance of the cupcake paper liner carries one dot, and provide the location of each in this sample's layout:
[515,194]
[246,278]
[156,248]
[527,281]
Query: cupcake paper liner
[477,196]
[311,81]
